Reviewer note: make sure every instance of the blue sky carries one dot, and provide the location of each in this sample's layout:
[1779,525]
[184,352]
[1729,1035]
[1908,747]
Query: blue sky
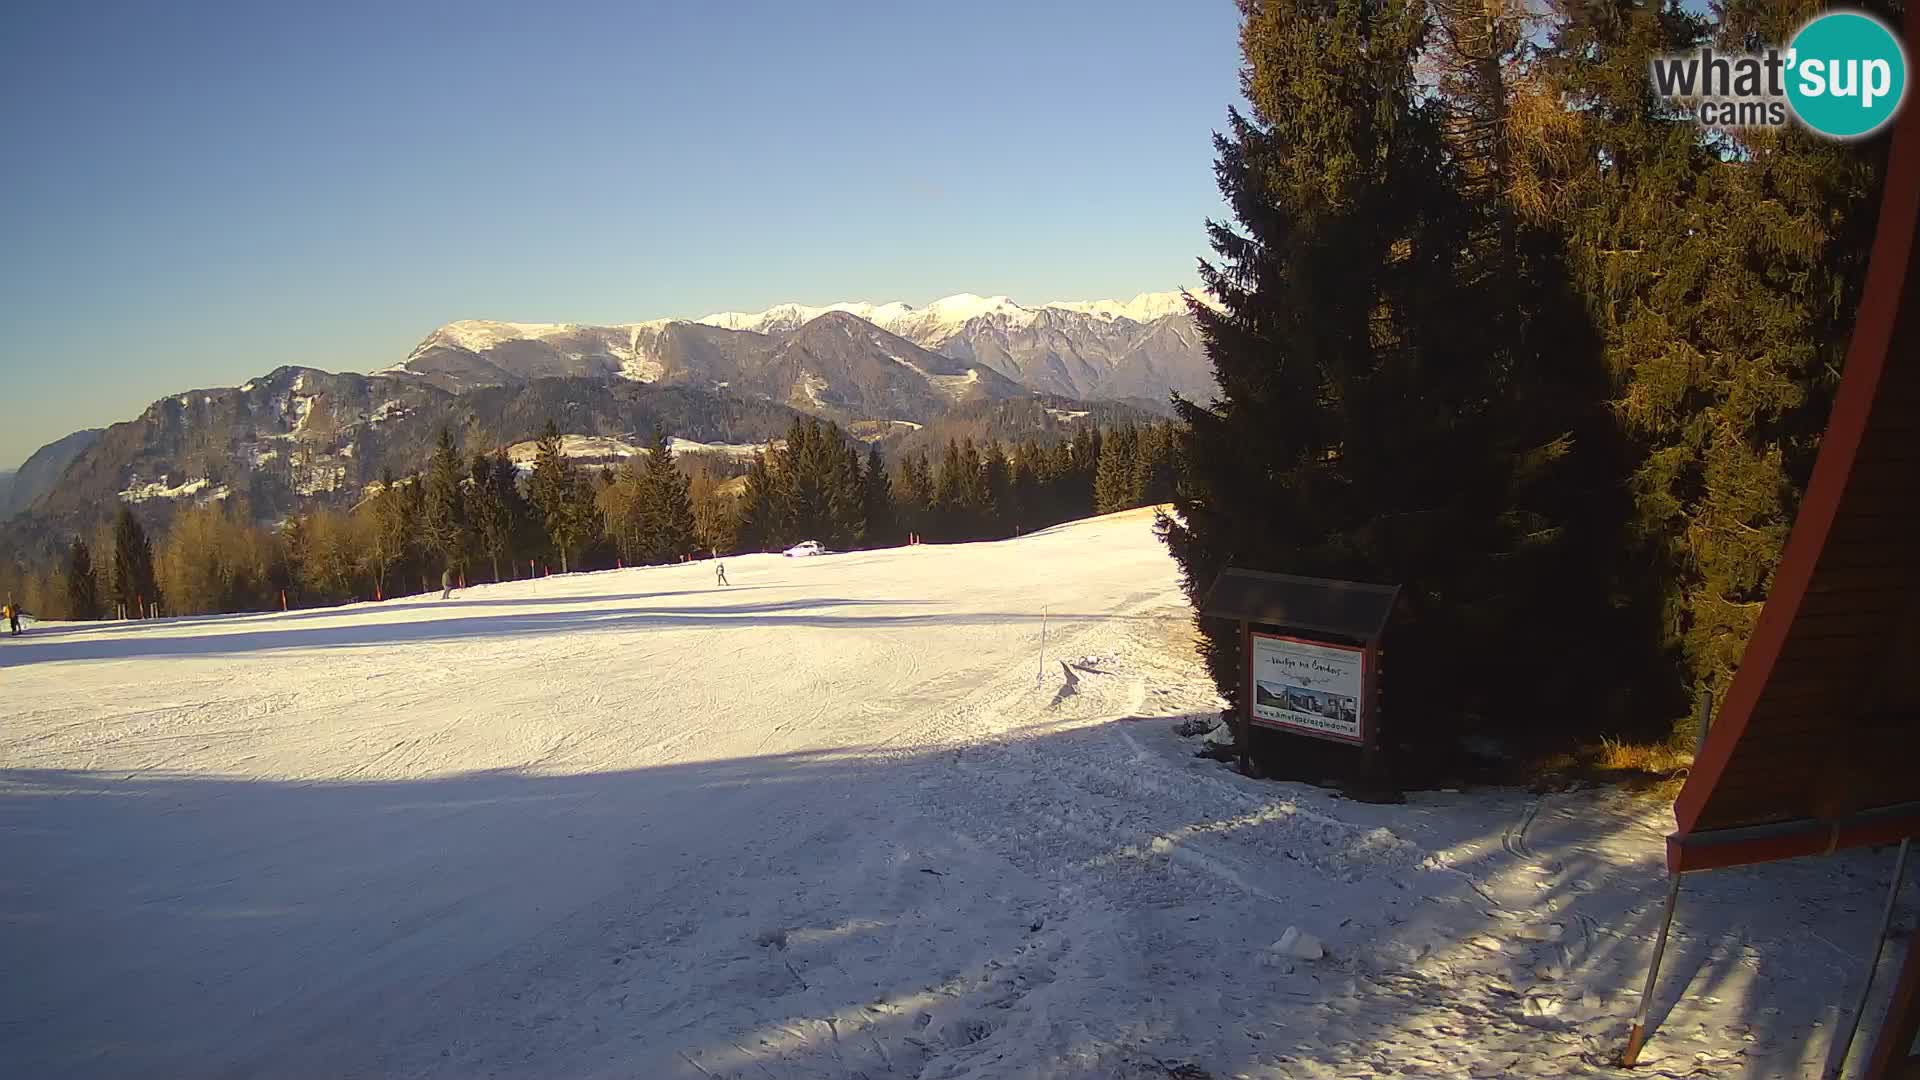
[193,194]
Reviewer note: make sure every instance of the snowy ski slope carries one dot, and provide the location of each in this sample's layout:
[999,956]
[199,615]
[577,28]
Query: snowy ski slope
[838,820]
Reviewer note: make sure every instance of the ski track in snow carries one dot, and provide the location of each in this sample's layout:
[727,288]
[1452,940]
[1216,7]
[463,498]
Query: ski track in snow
[840,820]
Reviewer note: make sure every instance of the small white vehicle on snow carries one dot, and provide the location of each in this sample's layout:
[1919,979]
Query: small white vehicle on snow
[804,548]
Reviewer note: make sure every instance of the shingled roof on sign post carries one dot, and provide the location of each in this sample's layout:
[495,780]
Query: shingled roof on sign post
[1348,609]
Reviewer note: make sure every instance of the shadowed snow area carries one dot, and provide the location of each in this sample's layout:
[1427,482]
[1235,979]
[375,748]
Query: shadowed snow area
[838,820]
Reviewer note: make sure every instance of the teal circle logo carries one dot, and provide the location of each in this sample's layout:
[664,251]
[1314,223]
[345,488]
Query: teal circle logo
[1847,74]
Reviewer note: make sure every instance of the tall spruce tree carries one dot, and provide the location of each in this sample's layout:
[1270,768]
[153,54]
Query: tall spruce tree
[948,509]
[562,497]
[1113,481]
[996,485]
[1025,485]
[412,500]
[1723,272]
[807,489]
[523,531]
[973,504]
[447,530]
[1568,562]
[760,503]
[1361,431]
[488,514]
[83,597]
[1153,473]
[822,485]
[670,508]
[913,497]
[879,526]
[135,588]
[1080,468]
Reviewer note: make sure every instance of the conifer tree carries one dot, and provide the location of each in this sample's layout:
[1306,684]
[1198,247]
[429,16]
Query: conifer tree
[523,531]
[488,514]
[996,484]
[822,485]
[1023,486]
[1359,430]
[759,522]
[880,528]
[1153,472]
[1725,338]
[670,509]
[1113,483]
[808,489]
[562,498]
[411,499]
[1056,478]
[948,508]
[972,488]
[913,496]
[1548,398]
[446,528]
[135,588]
[1079,471]
[83,599]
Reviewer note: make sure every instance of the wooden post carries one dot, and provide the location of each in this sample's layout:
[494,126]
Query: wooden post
[1042,672]
[1893,1050]
[1370,715]
[1873,961]
[1638,1036]
[1245,735]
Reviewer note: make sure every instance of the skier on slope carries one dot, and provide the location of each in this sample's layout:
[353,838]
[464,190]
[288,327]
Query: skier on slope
[446,583]
[13,617]
[719,571]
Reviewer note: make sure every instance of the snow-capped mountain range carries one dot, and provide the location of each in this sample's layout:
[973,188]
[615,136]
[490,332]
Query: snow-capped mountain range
[948,316]
[1141,349]
[884,371]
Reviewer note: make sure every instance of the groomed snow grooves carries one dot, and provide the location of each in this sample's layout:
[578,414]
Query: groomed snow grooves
[842,819]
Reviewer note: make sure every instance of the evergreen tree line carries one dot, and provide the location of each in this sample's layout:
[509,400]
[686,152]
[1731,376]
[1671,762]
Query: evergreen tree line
[478,519]
[1499,326]
[817,487]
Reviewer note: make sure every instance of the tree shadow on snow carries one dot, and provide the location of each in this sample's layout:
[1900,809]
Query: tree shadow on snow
[270,632]
[1080,900]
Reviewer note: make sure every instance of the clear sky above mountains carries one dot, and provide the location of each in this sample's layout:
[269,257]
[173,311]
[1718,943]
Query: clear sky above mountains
[197,193]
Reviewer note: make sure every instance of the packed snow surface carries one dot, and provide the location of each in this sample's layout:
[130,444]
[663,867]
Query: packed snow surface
[592,448]
[845,818]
